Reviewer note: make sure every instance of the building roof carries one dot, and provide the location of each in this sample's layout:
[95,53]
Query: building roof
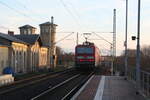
[48,23]
[27,26]
[11,38]
[3,45]
[30,39]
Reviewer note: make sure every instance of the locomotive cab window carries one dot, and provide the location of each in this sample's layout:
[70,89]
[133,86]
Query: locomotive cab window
[82,50]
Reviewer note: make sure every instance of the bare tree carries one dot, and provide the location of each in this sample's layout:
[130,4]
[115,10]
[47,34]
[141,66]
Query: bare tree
[63,58]
[59,51]
[146,51]
[145,58]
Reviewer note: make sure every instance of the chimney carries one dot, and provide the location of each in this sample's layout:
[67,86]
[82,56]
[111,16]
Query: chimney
[10,32]
[52,20]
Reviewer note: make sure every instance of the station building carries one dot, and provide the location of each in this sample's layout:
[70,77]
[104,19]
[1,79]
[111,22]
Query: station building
[28,51]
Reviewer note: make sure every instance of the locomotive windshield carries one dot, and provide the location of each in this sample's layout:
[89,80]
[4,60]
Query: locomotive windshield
[83,50]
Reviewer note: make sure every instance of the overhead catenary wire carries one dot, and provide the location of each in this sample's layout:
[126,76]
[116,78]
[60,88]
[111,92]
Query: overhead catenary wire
[64,38]
[69,11]
[64,32]
[21,4]
[27,8]
[75,11]
[99,44]
[5,28]
[105,33]
[102,38]
[37,20]
[101,32]
[17,11]
[24,6]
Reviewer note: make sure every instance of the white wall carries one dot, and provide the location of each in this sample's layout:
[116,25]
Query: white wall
[3,58]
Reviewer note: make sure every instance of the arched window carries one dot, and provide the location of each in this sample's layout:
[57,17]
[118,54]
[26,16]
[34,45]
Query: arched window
[25,61]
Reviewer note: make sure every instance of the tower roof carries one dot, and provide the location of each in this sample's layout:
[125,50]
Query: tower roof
[27,26]
[48,23]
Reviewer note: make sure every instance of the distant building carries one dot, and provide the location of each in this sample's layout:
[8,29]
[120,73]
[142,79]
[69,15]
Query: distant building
[28,51]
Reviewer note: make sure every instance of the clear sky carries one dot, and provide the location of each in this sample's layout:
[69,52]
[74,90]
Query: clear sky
[78,16]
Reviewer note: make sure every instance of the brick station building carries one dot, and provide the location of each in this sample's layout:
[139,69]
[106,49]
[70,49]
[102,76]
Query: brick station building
[28,51]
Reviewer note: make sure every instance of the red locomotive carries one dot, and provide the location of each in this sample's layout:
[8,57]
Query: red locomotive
[87,56]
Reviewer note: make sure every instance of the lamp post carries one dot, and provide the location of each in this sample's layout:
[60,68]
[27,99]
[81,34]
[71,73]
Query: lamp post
[125,44]
[138,48]
[138,53]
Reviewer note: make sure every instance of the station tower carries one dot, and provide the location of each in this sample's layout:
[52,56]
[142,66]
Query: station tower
[48,33]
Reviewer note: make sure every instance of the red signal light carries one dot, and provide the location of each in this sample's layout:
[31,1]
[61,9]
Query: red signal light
[91,60]
[81,60]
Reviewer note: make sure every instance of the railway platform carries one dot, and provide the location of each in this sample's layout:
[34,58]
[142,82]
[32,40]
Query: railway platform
[107,88]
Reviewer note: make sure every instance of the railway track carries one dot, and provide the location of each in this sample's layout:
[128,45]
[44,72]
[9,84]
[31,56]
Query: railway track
[64,90]
[30,89]
[30,80]
[58,86]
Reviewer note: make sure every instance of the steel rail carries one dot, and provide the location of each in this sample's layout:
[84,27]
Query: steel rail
[26,82]
[58,85]
[76,88]
[70,93]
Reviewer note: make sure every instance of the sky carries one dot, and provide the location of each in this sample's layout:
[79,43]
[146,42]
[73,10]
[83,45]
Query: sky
[80,16]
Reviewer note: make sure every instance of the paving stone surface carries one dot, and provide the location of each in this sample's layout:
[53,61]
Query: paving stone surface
[116,88]
[89,91]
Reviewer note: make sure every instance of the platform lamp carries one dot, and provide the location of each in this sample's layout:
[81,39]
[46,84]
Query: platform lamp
[137,64]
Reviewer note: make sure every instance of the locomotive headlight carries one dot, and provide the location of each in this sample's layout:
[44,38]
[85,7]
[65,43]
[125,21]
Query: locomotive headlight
[80,57]
[90,57]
